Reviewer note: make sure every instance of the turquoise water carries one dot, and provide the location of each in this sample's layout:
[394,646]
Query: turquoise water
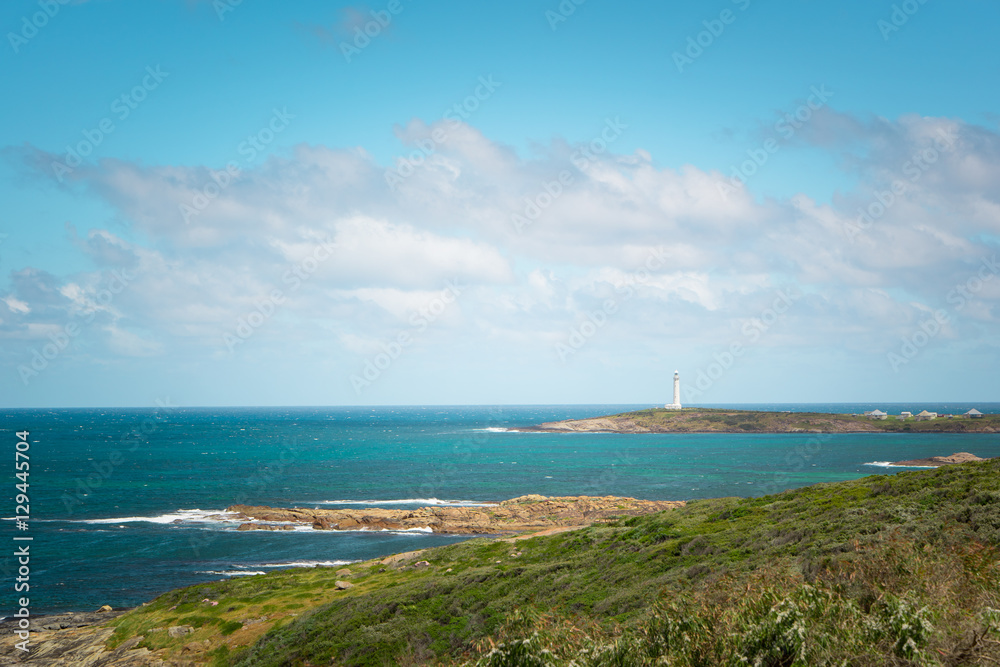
[120,498]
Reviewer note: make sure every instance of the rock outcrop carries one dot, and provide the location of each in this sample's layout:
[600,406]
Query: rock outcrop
[72,640]
[525,513]
[936,461]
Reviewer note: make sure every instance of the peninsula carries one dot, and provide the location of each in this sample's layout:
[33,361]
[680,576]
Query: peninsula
[714,420]
[525,513]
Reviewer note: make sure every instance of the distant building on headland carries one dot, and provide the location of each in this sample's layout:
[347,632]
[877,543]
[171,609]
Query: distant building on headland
[676,405]
[924,415]
[877,414]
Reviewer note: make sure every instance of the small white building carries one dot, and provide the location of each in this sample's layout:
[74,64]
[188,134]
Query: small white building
[974,414]
[905,414]
[926,416]
[877,414]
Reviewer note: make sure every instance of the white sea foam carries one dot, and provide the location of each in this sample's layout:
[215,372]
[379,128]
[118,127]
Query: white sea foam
[407,531]
[180,516]
[233,573]
[889,464]
[309,563]
[426,502]
[307,528]
[493,429]
[395,531]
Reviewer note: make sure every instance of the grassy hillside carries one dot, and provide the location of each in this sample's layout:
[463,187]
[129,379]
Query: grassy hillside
[712,420]
[899,569]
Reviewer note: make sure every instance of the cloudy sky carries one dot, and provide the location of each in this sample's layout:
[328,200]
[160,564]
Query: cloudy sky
[317,203]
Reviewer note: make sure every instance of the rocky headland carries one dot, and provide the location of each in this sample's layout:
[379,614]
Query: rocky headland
[526,513]
[710,420]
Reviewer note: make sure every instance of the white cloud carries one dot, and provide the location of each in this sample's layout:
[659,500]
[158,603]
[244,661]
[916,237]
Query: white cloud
[132,344]
[390,251]
[16,305]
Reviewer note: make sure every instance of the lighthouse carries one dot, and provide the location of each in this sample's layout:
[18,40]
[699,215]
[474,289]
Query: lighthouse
[676,405]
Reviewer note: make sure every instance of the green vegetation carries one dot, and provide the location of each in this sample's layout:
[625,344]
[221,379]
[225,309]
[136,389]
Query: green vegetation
[900,569]
[692,420]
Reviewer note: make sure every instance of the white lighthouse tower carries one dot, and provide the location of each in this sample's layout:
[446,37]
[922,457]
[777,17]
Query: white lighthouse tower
[676,405]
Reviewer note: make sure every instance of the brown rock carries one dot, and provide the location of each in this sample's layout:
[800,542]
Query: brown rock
[937,461]
[179,630]
[404,557]
[265,526]
[105,608]
[343,585]
[527,513]
[196,647]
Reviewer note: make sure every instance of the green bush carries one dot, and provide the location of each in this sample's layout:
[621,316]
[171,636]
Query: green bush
[229,627]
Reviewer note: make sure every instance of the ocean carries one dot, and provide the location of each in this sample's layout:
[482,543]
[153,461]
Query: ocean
[121,500]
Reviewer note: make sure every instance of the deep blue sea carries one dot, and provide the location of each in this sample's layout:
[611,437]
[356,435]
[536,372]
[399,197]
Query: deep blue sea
[119,498]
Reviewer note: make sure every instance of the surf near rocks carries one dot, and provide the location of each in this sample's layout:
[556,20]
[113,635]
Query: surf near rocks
[532,512]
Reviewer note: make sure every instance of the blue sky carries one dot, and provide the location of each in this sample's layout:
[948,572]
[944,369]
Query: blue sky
[519,202]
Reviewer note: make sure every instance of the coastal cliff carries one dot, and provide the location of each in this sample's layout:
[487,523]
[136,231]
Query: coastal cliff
[532,512]
[708,420]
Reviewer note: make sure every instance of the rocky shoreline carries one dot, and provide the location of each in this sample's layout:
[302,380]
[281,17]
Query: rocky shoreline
[79,639]
[938,461]
[695,423]
[526,513]
[712,420]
